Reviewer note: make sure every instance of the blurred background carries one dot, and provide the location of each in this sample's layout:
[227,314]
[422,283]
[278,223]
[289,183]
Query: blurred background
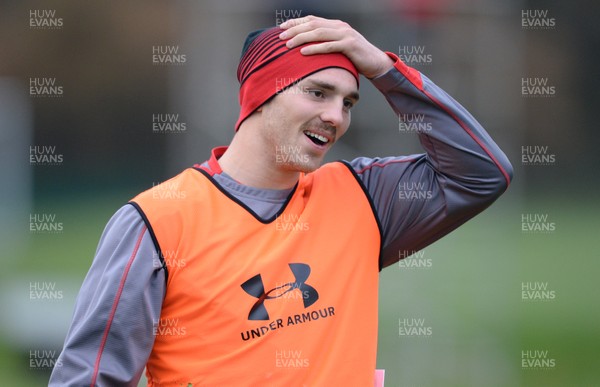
[101,100]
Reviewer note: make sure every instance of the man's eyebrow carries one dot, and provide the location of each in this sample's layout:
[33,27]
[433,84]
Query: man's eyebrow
[328,86]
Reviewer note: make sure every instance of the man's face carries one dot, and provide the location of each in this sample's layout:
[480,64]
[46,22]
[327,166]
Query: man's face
[300,124]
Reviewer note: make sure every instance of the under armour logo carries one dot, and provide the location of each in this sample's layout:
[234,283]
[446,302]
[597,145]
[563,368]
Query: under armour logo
[255,287]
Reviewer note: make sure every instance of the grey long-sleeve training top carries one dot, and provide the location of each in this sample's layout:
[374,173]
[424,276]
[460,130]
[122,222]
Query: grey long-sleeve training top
[417,198]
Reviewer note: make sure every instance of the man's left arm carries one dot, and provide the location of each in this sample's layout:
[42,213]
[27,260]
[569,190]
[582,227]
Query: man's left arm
[420,198]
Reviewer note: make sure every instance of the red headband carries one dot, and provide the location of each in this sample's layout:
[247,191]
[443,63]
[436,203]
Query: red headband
[267,67]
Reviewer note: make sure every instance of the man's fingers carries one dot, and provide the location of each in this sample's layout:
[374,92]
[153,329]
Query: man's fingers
[335,36]
[294,27]
[321,48]
[291,24]
[315,35]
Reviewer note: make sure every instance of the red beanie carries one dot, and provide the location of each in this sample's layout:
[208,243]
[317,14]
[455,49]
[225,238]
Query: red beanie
[267,67]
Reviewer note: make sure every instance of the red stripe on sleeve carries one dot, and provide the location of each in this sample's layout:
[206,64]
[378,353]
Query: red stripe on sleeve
[413,75]
[114,307]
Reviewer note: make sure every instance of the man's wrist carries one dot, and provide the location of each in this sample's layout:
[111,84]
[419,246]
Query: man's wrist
[387,64]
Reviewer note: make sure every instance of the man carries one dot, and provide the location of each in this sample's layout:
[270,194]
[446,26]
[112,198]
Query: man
[260,266]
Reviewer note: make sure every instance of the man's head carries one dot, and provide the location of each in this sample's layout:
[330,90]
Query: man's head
[301,103]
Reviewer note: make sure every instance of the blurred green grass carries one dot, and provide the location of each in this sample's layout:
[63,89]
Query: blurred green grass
[470,296]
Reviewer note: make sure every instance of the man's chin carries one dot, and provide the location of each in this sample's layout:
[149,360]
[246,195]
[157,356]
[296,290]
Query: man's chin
[307,167]
[299,162]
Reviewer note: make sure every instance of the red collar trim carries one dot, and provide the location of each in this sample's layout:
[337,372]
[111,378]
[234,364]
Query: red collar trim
[213,167]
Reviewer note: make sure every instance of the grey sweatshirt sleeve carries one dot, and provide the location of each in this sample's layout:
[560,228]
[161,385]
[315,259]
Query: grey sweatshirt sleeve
[111,334]
[420,198]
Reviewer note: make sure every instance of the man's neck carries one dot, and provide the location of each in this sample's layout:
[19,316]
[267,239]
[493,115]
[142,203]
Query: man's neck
[247,163]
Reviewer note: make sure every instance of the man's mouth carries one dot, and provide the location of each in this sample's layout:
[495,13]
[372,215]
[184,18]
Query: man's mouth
[316,138]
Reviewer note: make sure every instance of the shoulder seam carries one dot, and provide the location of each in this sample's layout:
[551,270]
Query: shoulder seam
[373,209]
[152,236]
[381,165]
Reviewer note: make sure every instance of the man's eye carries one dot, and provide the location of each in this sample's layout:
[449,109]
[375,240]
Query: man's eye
[348,104]
[316,93]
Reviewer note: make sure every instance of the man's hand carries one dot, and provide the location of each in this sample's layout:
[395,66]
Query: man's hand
[337,36]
